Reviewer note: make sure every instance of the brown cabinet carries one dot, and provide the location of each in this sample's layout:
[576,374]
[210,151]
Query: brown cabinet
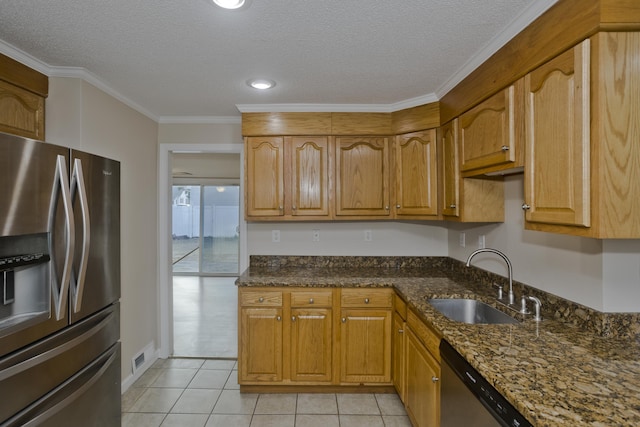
[557,173]
[365,335]
[422,399]
[287,177]
[416,175]
[362,177]
[398,356]
[491,133]
[22,97]
[467,199]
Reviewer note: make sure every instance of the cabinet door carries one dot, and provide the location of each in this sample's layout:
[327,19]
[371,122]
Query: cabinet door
[451,172]
[265,176]
[311,344]
[260,344]
[365,346]
[21,112]
[488,133]
[362,176]
[557,172]
[398,356]
[422,398]
[309,162]
[416,174]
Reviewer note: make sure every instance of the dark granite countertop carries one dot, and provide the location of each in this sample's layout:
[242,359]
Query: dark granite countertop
[554,372]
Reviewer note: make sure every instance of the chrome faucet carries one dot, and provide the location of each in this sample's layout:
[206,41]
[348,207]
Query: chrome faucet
[509,268]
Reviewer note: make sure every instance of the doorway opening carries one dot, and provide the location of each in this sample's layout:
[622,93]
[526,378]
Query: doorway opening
[205,255]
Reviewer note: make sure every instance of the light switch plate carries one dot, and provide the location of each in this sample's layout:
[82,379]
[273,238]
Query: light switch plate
[275,236]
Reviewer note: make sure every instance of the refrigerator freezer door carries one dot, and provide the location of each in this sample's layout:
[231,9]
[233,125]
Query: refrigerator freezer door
[98,180]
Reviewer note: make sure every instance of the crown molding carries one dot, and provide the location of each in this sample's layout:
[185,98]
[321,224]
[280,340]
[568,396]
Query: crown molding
[526,17]
[215,120]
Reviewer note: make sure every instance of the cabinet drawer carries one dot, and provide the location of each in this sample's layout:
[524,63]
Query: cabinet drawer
[262,298]
[400,306]
[428,336]
[320,298]
[368,297]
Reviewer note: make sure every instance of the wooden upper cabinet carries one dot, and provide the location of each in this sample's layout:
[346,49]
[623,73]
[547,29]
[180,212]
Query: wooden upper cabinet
[467,199]
[287,177]
[416,174]
[450,169]
[264,176]
[362,176]
[557,172]
[490,133]
[308,158]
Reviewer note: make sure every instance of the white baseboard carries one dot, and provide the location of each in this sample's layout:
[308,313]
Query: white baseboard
[150,354]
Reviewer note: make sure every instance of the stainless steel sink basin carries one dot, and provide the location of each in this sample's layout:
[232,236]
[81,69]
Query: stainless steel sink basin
[470,311]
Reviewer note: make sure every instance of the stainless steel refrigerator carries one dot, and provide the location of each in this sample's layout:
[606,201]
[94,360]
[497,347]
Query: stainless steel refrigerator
[59,286]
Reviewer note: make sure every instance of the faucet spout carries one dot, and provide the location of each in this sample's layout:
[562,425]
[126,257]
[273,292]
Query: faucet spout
[509,268]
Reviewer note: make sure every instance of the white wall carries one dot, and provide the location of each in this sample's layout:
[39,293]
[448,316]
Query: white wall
[83,117]
[347,238]
[601,274]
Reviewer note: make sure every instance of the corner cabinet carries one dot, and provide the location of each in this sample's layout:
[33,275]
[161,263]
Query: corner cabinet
[362,177]
[287,177]
[416,175]
[467,199]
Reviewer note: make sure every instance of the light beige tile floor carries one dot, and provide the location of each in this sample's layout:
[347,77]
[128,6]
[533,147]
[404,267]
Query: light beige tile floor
[205,393]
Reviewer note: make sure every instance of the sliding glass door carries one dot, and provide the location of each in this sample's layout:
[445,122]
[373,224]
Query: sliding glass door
[205,229]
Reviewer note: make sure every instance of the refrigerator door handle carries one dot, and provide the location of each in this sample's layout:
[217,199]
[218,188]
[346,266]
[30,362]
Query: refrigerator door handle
[77,279]
[61,290]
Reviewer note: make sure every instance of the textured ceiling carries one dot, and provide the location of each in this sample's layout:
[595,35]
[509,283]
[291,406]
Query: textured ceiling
[190,58]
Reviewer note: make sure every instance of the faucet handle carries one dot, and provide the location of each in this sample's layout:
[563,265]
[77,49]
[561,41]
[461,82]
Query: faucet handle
[500,290]
[537,317]
[523,305]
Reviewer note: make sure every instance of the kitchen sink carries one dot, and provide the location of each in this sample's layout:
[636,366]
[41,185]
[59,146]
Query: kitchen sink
[470,311]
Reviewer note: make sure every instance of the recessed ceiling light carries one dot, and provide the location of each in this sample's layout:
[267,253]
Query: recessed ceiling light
[261,84]
[229,4]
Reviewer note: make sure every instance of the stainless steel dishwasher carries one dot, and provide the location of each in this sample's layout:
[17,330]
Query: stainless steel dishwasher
[467,399]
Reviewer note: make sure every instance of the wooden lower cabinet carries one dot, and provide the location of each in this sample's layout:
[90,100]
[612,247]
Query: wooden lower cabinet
[311,344]
[365,346]
[314,337]
[398,364]
[260,344]
[422,397]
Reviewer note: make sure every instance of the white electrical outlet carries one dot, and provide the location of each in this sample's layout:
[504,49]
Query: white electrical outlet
[368,235]
[481,241]
[275,236]
[316,235]
[462,239]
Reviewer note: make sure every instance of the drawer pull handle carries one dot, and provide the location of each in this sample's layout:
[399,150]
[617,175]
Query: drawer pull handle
[310,300]
[401,331]
[260,299]
[366,300]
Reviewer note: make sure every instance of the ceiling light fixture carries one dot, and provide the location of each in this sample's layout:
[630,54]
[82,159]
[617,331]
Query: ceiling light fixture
[229,4]
[261,84]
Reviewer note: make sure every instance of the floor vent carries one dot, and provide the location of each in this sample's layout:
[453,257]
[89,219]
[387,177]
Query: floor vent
[138,361]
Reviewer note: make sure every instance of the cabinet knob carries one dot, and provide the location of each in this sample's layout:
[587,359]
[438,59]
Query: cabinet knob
[435,379]
[344,320]
[293,207]
[504,148]
[366,300]
[281,207]
[401,331]
[397,206]
[293,318]
[310,300]
[452,206]
[525,207]
[261,299]
[386,208]
[278,318]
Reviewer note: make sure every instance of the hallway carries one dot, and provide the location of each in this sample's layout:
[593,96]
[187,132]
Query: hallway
[205,317]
